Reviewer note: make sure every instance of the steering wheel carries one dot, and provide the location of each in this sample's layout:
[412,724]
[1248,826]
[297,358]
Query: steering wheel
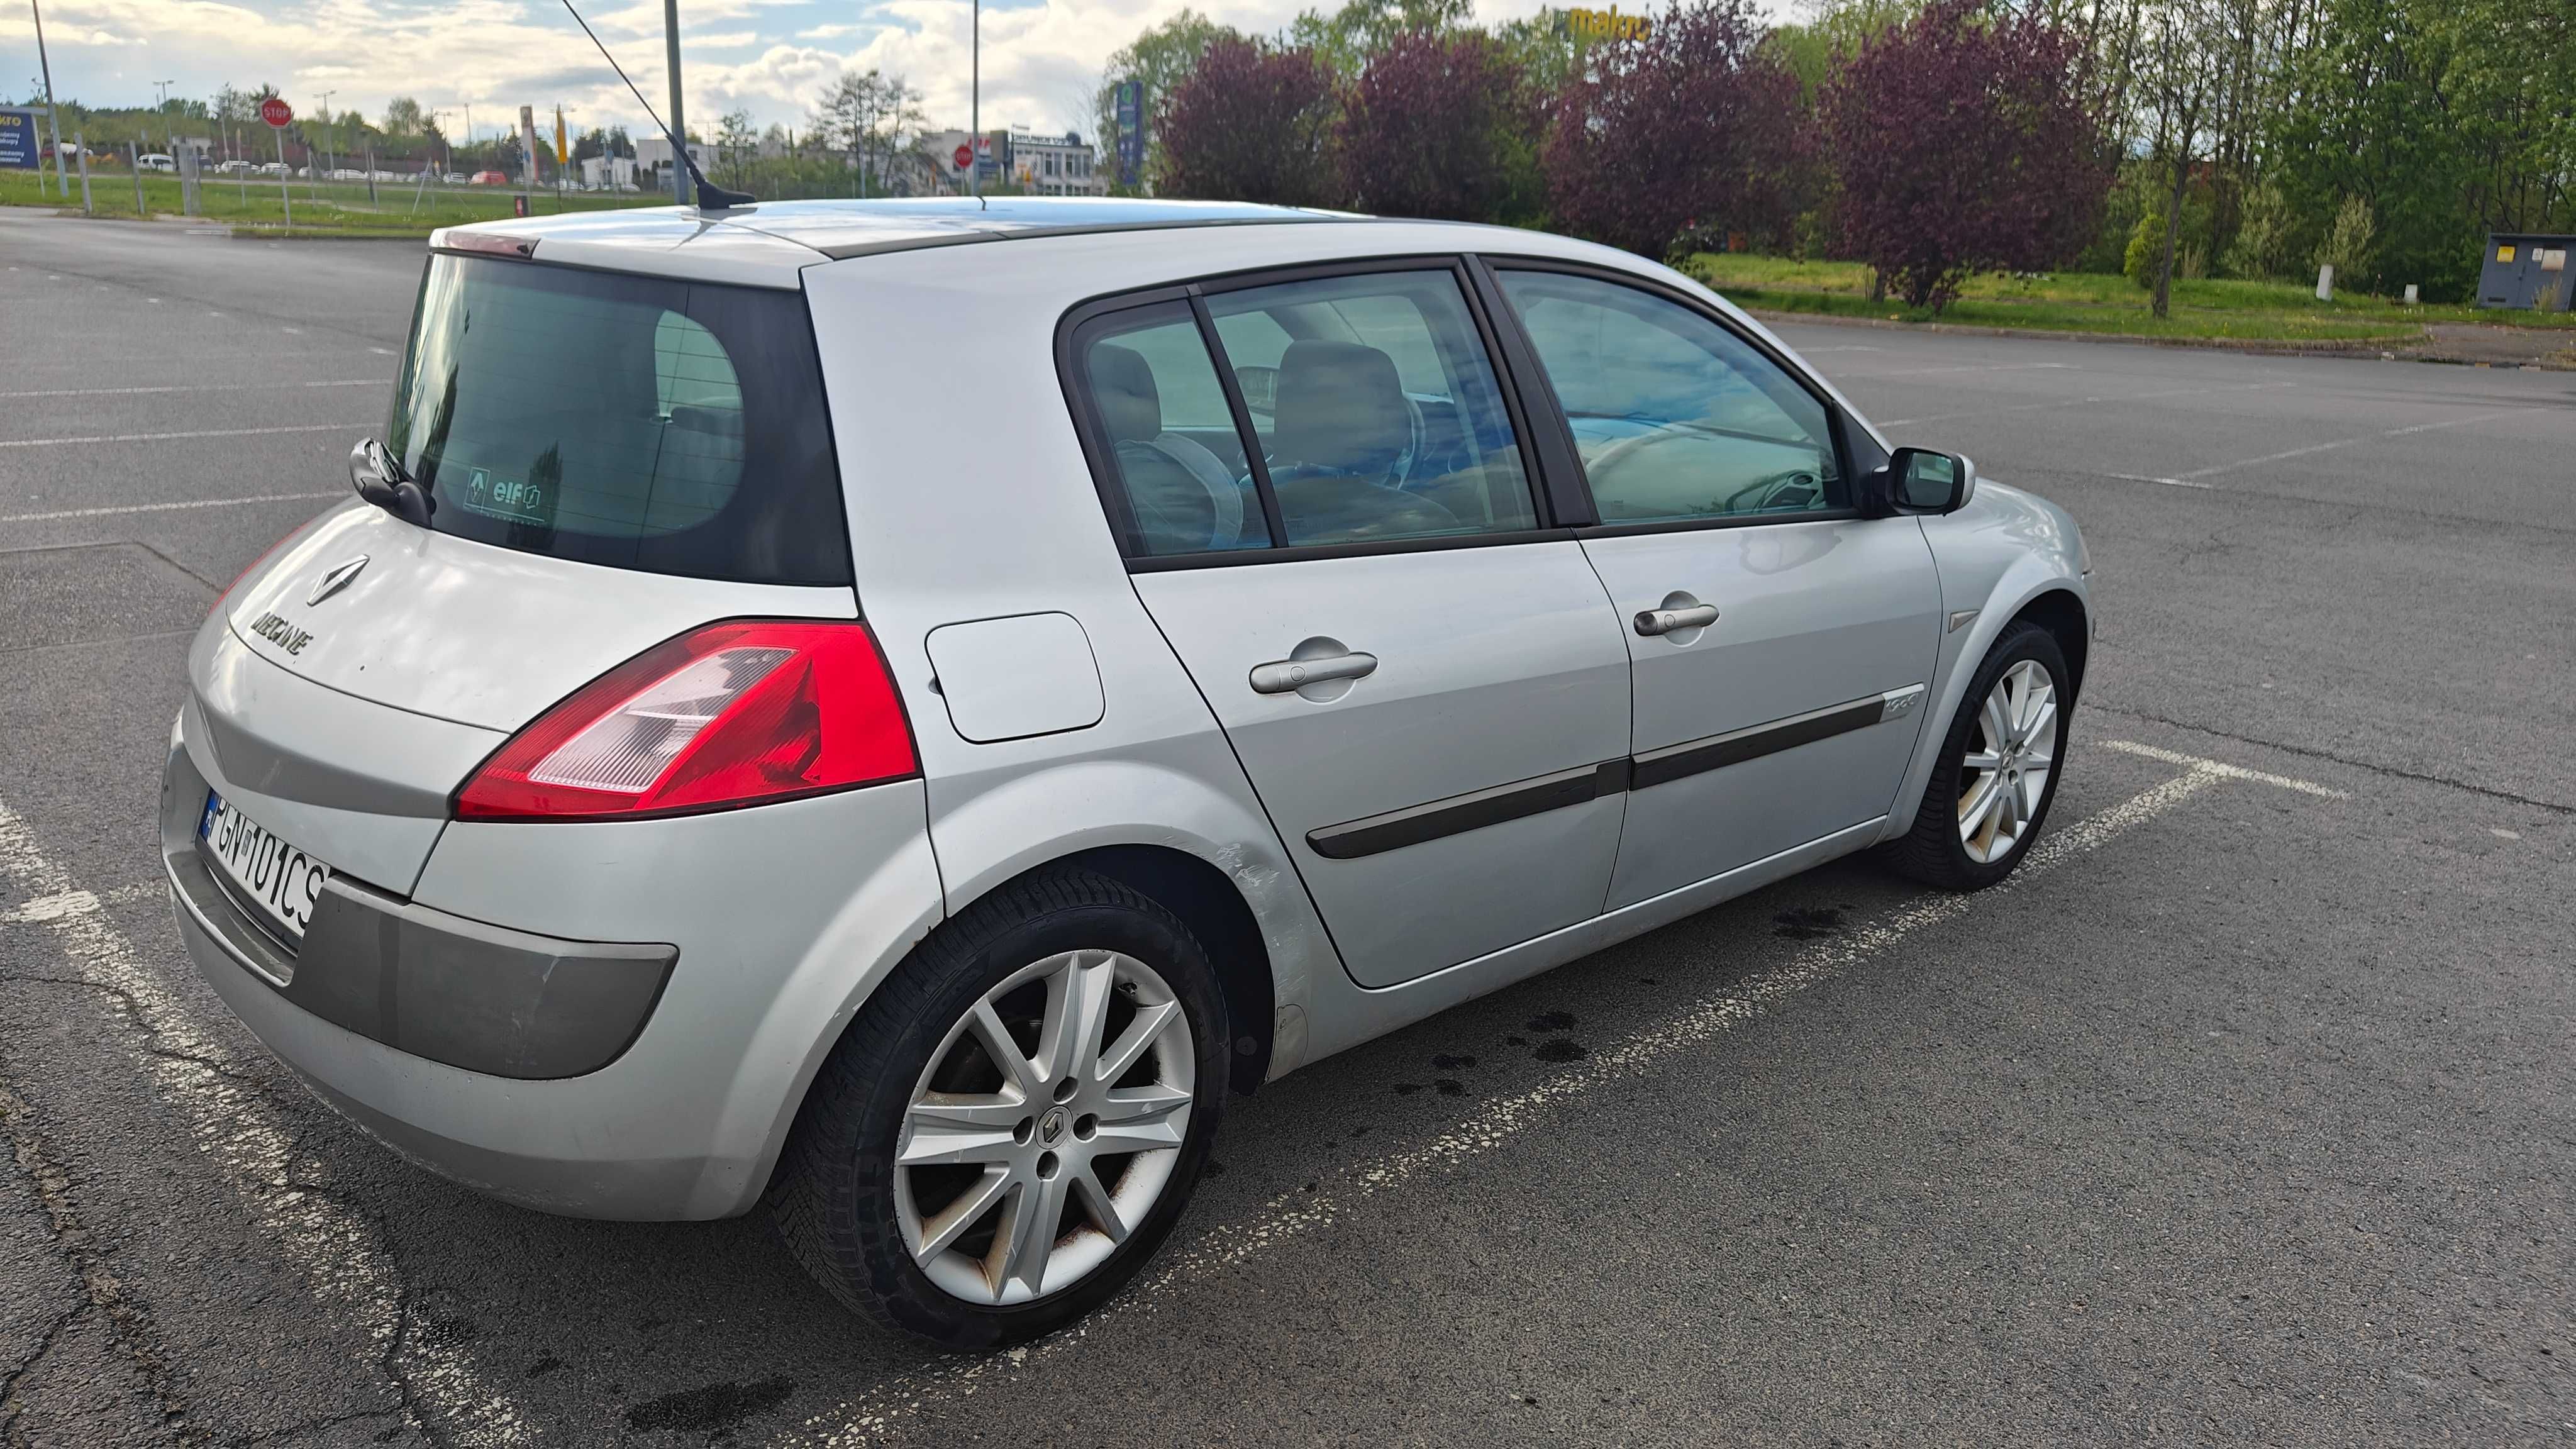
[1796,488]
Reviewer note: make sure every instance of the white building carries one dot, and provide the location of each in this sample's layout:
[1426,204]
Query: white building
[1039,165]
[613,173]
[653,154]
[1055,165]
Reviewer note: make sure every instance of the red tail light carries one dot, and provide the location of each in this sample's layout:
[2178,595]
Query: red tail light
[739,713]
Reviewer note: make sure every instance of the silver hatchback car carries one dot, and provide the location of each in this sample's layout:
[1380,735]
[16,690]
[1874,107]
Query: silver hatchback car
[893,710]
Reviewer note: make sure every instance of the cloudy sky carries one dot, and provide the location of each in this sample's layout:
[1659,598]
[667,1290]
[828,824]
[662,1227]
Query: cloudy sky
[1041,58]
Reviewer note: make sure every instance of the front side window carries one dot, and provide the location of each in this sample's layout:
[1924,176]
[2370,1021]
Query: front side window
[1676,418]
[1375,408]
[638,422]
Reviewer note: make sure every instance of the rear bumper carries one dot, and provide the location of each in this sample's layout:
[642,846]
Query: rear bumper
[569,1075]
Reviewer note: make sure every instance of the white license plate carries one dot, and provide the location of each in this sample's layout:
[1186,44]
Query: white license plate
[273,878]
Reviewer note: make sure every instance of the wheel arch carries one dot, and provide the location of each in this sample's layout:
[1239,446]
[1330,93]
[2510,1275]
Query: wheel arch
[1208,903]
[2064,616]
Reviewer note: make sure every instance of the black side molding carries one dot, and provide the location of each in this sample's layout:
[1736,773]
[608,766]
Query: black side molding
[1415,824]
[1692,757]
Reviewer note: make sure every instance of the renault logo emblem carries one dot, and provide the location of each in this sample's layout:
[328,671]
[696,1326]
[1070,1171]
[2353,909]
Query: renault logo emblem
[336,580]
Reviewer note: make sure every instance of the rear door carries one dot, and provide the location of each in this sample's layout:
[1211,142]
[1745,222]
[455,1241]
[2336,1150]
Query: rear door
[1782,643]
[1426,687]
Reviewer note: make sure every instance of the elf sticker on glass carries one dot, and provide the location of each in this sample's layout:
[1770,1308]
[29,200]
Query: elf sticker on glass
[504,497]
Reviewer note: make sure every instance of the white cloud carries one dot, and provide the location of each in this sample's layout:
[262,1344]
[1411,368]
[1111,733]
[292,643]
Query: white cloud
[1040,61]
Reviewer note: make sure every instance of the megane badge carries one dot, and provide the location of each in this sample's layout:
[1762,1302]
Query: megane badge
[336,580]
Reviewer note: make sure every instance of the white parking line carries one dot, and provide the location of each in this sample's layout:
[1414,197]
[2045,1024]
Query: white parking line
[2077,402]
[341,1256]
[1977,367]
[2193,478]
[2232,772]
[192,433]
[197,387]
[865,1419]
[164,507]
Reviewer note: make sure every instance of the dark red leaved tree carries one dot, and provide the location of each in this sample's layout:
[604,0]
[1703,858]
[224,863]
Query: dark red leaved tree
[1697,124]
[1254,122]
[1439,125]
[1966,142]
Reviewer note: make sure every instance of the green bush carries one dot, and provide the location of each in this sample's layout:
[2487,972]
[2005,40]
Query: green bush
[2146,249]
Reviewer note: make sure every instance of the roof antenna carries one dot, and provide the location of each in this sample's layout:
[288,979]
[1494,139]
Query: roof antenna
[711,197]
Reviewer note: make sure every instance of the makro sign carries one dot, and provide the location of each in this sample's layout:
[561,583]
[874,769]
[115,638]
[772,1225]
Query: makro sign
[18,144]
[1605,25]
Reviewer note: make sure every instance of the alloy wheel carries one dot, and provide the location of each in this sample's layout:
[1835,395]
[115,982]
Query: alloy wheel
[2005,774]
[1045,1128]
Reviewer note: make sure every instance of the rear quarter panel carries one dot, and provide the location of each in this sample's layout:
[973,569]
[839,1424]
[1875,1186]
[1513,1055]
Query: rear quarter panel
[969,498]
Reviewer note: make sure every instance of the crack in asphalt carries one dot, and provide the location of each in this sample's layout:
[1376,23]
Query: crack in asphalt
[129,1324]
[343,1248]
[2310,752]
[11,1411]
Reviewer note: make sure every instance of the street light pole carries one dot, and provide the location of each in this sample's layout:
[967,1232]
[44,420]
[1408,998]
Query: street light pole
[679,123]
[328,152]
[975,103]
[53,114]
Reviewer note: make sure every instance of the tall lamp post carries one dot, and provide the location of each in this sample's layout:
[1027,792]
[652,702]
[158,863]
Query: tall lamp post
[53,115]
[679,123]
[975,102]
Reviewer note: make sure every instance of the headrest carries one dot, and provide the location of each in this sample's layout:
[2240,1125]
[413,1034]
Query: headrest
[1129,402]
[1340,405]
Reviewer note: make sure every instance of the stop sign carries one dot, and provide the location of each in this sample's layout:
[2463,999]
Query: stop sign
[277,112]
[964,158]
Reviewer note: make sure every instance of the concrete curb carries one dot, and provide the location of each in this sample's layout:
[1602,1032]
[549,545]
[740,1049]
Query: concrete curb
[2384,349]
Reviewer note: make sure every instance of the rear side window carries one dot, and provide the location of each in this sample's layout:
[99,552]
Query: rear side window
[638,422]
[1179,461]
[1377,411]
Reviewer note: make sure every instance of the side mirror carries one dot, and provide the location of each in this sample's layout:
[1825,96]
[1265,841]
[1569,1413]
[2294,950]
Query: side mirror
[381,481]
[1919,480]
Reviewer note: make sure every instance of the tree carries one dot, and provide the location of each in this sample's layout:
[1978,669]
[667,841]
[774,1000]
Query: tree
[1694,125]
[873,117]
[1254,122]
[737,144]
[1964,143]
[1440,125]
[1160,59]
[403,117]
[1350,37]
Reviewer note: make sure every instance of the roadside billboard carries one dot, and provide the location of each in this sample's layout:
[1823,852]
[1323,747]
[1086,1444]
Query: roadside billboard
[1131,131]
[19,146]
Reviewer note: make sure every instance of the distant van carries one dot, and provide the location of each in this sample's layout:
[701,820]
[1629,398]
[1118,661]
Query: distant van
[490,178]
[155,161]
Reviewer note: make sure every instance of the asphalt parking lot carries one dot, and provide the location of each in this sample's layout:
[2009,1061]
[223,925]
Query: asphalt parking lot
[2242,1115]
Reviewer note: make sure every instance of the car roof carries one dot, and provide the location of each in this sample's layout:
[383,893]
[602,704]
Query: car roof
[769,243]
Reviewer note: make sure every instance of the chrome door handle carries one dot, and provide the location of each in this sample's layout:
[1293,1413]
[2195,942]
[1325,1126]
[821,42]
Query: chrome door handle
[1281,676]
[1651,622]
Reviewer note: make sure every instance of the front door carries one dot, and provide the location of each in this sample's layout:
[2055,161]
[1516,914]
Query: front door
[1429,695]
[1782,643]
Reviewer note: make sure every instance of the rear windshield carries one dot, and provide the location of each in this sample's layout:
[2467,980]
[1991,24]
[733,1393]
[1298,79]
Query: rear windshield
[639,422]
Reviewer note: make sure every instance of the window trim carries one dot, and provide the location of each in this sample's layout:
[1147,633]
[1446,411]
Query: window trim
[1076,327]
[1490,265]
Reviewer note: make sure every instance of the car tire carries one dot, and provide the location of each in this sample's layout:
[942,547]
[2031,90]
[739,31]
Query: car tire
[1944,848]
[854,1215]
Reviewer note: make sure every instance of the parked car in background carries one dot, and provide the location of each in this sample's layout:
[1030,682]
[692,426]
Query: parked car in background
[490,178]
[1394,611]
[272,168]
[234,168]
[155,161]
[454,178]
